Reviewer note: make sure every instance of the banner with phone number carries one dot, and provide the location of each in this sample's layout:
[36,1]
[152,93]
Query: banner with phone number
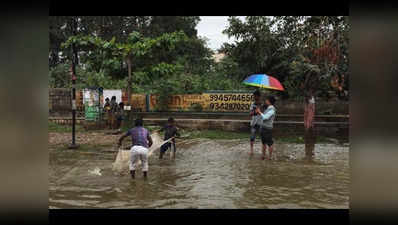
[228,102]
[210,102]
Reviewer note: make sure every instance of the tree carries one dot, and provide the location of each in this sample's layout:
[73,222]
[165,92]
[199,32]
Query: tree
[318,61]
[135,47]
[192,54]
[257,49]
[169,24]
[305,53]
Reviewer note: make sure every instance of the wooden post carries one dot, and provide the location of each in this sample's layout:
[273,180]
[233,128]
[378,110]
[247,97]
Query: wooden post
[309,135]
[129,81]
[129,86]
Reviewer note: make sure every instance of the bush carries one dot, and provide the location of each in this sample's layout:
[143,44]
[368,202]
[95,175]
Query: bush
[196,107]
[59,77]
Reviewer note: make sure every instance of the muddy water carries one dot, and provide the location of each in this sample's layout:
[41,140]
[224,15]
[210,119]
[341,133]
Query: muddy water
[206,174]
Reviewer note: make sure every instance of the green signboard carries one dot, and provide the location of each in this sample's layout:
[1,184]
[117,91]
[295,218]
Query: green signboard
[92,106]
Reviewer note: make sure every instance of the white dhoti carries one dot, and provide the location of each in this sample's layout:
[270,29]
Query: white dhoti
[138,153]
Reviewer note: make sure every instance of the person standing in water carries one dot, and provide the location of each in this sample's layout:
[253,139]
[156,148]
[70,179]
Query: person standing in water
[268,123]
[141,140]
[120,116]
[256,122]
[107,111]
[114,108]
[170,131]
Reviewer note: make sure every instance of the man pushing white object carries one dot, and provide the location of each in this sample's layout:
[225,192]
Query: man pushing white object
[142,147]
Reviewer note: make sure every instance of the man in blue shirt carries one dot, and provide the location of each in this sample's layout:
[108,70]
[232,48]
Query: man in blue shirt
[170,131]
[266,128]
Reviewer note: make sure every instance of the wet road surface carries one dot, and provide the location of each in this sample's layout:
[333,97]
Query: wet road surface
[206,174]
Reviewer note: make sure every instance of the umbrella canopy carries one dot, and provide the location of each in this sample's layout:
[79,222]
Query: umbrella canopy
[264,81]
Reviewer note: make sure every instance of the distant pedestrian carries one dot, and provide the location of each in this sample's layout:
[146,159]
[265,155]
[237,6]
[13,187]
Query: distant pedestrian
[120,115]
[113,109]
[107,111]
[107,105]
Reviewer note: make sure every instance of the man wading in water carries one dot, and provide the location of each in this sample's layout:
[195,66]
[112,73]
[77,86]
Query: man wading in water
[170,131]
[268,122]
[141,140]
[256,122]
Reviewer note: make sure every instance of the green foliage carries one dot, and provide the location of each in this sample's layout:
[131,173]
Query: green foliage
[136,47]
[170,48]
[163,70]
[168,58]
[222,76]
[101,80]
[271,44]
[169,24]
[59,77]
[257,49]
[166,87]
[298,70]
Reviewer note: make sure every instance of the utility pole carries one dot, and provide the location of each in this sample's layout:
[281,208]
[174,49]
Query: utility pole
[73,71]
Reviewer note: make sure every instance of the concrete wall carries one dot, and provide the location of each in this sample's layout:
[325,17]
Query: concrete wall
[60,105]
[281,128]
[332,117]
[323,107]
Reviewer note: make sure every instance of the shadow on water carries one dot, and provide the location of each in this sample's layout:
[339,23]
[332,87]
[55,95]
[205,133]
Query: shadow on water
[206,174]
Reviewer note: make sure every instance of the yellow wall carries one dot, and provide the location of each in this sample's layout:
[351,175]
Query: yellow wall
[216,102]
[138,102]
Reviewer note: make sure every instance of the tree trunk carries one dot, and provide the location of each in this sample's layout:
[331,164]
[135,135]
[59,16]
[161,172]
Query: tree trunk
[129,88]
[309,135]
[129,81]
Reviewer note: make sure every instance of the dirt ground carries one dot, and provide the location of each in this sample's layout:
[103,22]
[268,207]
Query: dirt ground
[56,139]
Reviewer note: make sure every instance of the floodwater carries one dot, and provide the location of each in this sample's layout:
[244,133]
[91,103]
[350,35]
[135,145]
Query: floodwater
[205,174]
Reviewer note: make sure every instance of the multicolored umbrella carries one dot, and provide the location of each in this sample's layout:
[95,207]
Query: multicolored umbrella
[264,81]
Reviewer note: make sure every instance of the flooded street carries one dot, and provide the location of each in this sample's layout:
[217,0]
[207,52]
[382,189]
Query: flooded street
[205,174]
